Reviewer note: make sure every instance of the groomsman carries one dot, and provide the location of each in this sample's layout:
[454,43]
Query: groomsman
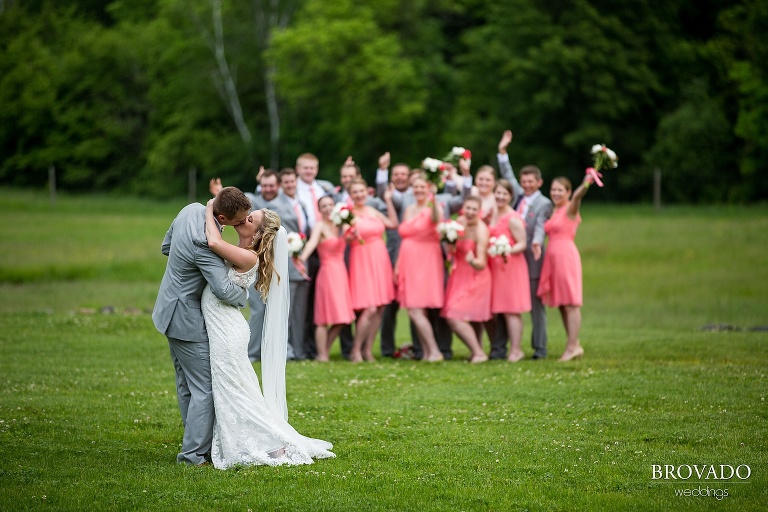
[308,190]
[269,187]
[535,210]
[402,197]
[293,216]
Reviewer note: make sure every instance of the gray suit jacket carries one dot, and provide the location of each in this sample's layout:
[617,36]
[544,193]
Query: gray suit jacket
[191,264]
[282,206]
[538,212]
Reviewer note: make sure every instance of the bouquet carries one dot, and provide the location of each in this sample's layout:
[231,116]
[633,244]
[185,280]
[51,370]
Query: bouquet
[450,231]
[499,246]
[604,158]
[458,153]
[341,214]
[296,243]
[436,171]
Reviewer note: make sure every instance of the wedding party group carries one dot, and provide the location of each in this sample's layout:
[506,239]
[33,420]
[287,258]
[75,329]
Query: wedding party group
[314,261]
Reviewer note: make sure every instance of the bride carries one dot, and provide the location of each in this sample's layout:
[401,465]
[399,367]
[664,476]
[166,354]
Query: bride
[251,428]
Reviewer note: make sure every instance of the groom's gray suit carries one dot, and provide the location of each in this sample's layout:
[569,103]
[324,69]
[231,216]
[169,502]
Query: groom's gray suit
[538,212]
[177,314]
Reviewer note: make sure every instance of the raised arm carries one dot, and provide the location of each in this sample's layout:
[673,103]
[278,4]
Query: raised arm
[240,258]
[578,195]
[382,174]
[505,167]
[390,220]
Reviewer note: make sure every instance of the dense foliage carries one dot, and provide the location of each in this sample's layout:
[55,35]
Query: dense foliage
[129,96]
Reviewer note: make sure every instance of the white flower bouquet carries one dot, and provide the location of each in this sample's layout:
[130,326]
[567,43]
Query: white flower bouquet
[296,243]
[458,153]
[436,171]
[341,214]
[499,246]
[450,231]
[604,158]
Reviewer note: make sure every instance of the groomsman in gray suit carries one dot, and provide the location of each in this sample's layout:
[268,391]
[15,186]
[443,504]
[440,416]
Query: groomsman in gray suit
[293,216]
[308,191]
[269,186]
[177,314]
[402,197]
[535,209]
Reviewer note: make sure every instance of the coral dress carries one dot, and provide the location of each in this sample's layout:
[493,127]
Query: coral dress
[560,281]
[420,279]
[370,270]
[511,283]
[333,301]
[468,295]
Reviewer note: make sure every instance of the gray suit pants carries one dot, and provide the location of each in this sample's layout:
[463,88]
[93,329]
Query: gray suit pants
[298,318]
[539,321]
[193,389]
[255,323]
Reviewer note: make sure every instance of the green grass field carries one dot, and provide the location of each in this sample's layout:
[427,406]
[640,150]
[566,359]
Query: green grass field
[89,420]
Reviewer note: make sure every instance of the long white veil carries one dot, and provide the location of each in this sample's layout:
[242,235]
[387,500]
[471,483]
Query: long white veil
[274,344]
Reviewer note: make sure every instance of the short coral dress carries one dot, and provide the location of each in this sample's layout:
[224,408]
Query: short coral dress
[511,283]
[468,294]
[333,301]
[420,279]
[560,281]
[370,270]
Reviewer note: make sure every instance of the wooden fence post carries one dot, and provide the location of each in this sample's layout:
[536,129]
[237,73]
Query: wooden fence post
[657,189]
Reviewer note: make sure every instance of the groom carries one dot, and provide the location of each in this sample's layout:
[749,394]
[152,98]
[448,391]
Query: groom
[177,314]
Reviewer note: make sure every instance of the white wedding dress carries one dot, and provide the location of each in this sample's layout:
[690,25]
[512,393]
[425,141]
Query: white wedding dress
[250,429]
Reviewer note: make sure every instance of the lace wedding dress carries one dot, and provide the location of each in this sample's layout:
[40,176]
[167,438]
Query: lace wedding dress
[248,429]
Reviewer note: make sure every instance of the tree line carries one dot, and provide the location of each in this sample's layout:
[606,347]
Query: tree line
[129,96]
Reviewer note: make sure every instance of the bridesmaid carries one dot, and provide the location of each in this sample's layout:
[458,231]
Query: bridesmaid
[511,292]
[419,268]
[370,270]
[485,184]
[333,303]
[560,281]
[467,301]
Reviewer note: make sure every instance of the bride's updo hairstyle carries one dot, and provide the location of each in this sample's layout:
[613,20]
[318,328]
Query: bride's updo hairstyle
[263,246]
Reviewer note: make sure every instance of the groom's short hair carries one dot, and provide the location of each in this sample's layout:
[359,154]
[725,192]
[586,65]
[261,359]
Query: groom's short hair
[230,201]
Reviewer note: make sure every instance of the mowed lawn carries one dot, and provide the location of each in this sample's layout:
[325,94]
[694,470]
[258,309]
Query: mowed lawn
[89,419]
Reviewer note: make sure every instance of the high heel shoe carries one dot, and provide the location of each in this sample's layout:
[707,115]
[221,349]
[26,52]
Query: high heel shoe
[576,354]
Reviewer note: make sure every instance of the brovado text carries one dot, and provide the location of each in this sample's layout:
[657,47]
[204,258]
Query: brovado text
[700,472]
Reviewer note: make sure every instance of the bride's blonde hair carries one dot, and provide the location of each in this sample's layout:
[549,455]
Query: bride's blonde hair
[263,246]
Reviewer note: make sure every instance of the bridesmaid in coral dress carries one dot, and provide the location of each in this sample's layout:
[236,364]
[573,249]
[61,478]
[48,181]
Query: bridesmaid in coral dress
[560,281]
[511,293]
[467,297]
[333,302]
[370,269]
[419,267]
